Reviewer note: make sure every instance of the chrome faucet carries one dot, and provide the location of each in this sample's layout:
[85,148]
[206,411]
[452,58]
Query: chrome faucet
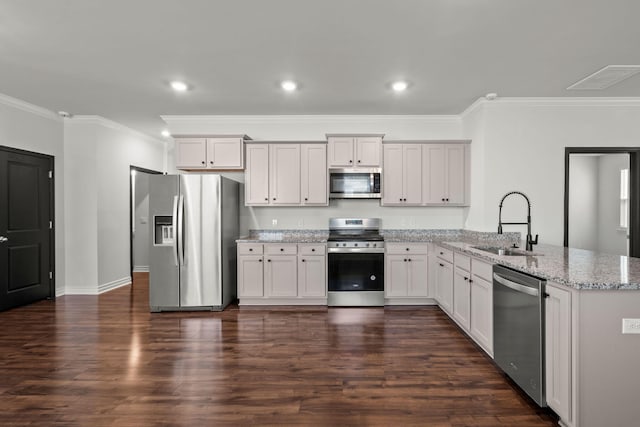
[530,240]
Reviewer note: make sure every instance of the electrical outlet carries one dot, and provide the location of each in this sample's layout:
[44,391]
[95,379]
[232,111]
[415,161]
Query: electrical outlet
[631,326]
[274,222]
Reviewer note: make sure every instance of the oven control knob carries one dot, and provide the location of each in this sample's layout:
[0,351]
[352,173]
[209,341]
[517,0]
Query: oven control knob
[356,244]
[375,244]
[367,244]
[344,244]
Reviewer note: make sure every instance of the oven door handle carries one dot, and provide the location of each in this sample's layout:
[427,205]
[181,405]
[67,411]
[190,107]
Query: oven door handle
[356,250]
[516,286]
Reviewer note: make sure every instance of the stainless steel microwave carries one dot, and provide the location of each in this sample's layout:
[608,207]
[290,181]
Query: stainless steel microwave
[361,183]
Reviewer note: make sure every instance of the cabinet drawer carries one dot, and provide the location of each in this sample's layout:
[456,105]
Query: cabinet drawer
[406,248]
[462,261]
[482,269]
[312,249]
[281,249]
[445,254]
[249,248]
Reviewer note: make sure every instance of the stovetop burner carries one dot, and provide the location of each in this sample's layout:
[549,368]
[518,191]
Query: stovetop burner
[355,233]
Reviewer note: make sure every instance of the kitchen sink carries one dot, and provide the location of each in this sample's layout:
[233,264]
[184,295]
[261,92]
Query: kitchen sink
[504,251]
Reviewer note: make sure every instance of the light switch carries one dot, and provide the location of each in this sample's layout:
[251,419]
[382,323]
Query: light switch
[631,326]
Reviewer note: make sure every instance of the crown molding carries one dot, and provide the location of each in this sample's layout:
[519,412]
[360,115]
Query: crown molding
[554,102]
[99,120]
[302,119]
[29,108]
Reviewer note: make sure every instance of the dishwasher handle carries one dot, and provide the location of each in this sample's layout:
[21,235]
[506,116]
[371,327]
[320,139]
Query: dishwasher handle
[516,286]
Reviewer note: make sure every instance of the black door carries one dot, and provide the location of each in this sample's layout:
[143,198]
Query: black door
[25,242]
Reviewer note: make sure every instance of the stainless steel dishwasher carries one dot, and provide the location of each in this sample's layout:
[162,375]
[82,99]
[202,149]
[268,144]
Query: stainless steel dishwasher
[518,329]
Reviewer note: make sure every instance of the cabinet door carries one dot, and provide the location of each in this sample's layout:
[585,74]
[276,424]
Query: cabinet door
[280,276]
[412,174]
[417,283]
[558,351]
[461,298]
[250,276]
[434,183]
[444,285]
[191,153]
[284,171]
[312,276]
[368,151]
[456,173]
[224,153]
[313,171]
[256,186]
[482,312]
[340,151]
[396,272]
[392,175]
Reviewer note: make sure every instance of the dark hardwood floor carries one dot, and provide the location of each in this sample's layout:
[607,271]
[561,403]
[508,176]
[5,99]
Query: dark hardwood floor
[96,361]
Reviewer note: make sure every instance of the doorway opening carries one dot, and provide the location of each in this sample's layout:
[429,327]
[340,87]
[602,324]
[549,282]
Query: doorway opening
[139,218]
[602,199]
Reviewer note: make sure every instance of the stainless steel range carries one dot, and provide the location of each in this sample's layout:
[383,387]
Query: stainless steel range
[356,262]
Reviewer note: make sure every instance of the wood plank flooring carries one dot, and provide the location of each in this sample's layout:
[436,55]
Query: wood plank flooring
[107,361]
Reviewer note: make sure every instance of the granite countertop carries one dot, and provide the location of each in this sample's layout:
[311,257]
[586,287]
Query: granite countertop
[575,268]
[285,236]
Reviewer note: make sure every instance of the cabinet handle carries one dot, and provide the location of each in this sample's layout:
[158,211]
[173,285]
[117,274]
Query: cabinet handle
[266,199]
[466,278]
[260,260]
[443,199]
[306,199]
[447,199]
[409,259]
[250,249]
[441,253]
[441,265]
[404,260]
[313,249]
[211,162]
[303,260]
[400,198]
[358,161]
[268,260]
[470,281]
[350,161]
[204,163]
[274,198]
[407,248]
[281,249]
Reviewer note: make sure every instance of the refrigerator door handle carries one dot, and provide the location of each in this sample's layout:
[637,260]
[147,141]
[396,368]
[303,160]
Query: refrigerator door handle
[181,230]
[174,221]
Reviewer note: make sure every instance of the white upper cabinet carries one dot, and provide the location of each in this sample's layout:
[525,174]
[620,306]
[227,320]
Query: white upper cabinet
[446,177]
[402,174]
[256,185]
[213,153]
[313,174]
[191,153]
[349,151]
[284,174]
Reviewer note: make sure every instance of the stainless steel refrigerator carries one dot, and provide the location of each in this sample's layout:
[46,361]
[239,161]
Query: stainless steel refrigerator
[194,225]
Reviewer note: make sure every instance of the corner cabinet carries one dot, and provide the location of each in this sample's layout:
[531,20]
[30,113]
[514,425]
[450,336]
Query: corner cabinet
[223,152]
[286,174]
[353,151]
[282,273]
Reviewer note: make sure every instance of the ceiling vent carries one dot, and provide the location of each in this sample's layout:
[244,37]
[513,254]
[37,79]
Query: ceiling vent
[606,77]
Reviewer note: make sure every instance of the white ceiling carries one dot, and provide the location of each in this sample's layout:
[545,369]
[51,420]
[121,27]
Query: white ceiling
[114,58]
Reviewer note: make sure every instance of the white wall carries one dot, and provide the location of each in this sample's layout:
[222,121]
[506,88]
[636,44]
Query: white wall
[611,238]
[583,202]
[98,160]
[314,128]
[524,142]
[32,128]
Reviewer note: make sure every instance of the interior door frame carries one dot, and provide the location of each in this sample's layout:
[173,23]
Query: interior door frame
[634,190]
[52,211]
[131,210]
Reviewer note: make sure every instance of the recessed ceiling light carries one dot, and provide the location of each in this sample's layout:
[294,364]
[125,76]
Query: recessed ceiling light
[399,86]
[179,86]
[289,85]
[491,96]
[166,133]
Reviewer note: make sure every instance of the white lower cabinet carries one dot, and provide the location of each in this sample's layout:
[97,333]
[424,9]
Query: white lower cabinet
[464,290]
[286,273]
[444,284]
[406,272]
[558,351]
[481,282]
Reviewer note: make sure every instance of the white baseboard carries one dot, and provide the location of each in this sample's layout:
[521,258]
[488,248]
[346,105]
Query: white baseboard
[80,291]
[105,287]
[282,301]
[140,268]
[410,301]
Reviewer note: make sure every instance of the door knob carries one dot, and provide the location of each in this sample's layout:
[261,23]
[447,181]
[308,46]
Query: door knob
[3,239]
